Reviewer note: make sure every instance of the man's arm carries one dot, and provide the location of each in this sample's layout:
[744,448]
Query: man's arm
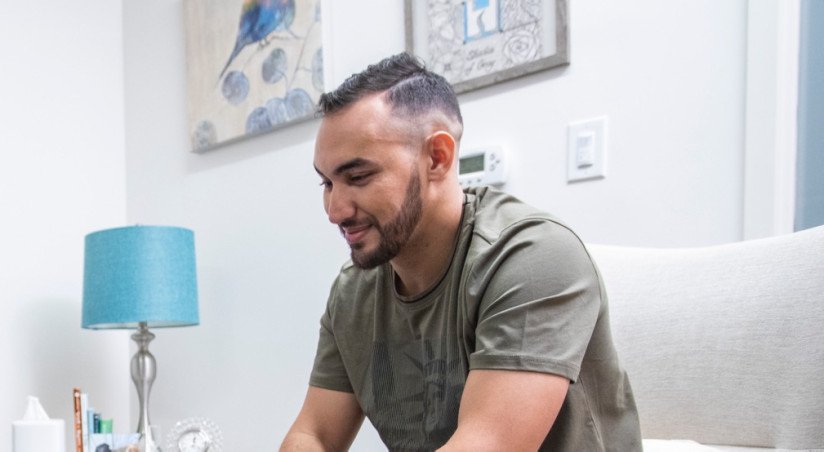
[327,421]
[507,410]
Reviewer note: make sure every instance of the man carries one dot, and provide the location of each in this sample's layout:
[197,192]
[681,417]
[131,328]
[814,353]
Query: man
[465,320]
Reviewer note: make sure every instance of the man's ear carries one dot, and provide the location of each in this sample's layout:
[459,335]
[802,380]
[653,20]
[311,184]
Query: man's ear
[441,151]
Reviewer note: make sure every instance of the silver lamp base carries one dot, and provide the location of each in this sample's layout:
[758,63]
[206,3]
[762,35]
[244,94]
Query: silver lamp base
[144,370]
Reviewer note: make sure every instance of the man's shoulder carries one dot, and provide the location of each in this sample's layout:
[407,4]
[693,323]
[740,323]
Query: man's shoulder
[499,214]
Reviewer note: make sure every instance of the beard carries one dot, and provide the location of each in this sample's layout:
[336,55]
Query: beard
[394,234]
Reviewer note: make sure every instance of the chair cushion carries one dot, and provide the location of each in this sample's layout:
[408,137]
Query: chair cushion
[723,344]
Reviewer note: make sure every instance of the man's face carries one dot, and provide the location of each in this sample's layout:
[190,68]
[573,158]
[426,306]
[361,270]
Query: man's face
[371,187]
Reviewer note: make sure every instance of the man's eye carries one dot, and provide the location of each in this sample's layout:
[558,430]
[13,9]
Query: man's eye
[326,184]
[358,178]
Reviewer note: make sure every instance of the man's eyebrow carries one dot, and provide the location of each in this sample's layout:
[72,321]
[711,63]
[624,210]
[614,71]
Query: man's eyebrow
[349,165]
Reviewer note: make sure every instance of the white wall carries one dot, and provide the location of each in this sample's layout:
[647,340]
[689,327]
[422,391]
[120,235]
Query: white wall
[670,76]
[62,175]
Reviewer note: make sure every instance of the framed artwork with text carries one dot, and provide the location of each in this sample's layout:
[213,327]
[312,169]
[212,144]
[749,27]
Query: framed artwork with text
[476,43]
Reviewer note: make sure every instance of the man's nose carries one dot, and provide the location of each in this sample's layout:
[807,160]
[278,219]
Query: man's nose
[339,205]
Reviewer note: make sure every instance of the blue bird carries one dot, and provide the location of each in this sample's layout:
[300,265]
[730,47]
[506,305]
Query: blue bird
[259,18]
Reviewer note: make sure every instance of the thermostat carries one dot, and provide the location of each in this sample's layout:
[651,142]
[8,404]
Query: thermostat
[484,166]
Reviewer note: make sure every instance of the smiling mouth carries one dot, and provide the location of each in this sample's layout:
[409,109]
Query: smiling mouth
[354,234]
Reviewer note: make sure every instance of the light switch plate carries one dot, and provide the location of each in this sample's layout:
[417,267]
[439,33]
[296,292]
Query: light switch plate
[586,149]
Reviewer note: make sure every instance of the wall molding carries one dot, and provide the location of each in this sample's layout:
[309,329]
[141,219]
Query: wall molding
[771,121]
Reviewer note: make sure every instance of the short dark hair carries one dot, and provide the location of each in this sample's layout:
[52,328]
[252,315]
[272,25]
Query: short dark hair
[411,88]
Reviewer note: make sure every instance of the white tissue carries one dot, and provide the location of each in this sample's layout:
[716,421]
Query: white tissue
[35,411]
[36,432]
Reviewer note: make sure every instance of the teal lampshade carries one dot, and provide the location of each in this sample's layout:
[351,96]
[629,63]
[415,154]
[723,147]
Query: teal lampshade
[140,274]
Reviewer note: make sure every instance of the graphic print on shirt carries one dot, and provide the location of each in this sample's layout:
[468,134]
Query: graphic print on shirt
[416,393]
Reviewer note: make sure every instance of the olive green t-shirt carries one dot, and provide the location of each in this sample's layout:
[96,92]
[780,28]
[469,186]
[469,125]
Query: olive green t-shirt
[521,293]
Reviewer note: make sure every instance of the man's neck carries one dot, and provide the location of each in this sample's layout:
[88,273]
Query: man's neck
[427,255]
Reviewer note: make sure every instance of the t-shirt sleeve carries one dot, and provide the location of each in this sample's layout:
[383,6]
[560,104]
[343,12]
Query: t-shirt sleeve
[329,371]
[540,297]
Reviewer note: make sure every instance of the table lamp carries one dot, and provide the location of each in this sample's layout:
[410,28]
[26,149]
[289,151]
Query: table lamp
[138,277]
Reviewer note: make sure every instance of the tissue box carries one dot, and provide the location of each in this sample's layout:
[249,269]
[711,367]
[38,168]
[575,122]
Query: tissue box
[47,435]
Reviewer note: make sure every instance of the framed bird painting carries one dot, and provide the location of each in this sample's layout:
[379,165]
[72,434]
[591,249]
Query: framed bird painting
[476,43]
[252,66]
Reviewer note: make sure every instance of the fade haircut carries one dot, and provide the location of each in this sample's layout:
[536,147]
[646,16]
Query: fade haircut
[411,89]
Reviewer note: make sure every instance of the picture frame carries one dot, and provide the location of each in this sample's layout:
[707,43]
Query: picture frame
[251,68]
[478,43]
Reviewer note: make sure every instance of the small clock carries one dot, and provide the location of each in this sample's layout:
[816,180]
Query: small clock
[194,434]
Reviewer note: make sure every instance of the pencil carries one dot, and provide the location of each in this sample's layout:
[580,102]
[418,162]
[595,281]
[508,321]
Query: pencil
[78,423]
